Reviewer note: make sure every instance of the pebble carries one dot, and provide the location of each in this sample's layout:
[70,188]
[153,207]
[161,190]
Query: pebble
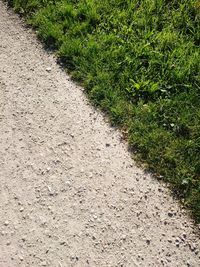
[124,237]
[148,241]
[44,263]
[68,183]
[51,193]
[170,214]
[178,240]
[6,223]
[48,69]
[3,233]
[48,233]
[21,258]
[21,209]
[184,236]
[193,247]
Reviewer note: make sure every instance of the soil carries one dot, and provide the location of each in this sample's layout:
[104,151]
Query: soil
[70,193]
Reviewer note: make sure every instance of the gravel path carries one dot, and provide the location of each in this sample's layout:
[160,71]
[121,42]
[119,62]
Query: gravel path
[70,194]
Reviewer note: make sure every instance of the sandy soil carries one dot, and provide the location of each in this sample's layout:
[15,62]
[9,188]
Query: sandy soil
[70,194]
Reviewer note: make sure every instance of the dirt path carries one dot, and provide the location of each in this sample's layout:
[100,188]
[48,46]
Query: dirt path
[70,194]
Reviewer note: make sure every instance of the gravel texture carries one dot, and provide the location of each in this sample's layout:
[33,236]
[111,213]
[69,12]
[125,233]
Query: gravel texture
[70,194]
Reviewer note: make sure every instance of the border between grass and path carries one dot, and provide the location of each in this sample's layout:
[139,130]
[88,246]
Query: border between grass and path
[134,150]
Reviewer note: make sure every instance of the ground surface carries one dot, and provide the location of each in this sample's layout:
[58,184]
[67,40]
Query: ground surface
[70,194]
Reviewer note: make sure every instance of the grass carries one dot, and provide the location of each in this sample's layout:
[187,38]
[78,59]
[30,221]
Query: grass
[139,61]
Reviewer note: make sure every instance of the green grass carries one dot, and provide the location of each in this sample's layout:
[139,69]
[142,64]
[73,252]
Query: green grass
[139,61]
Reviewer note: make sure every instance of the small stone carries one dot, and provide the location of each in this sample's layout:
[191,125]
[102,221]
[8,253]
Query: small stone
[21,258]
[6,223]
[90,175]
[68,183]
[148,241]
[63,243]
[8,243]
[48,69]
[184,235]
[170,214]
[44,263]
[98,220]
[47,233]
[124,237]
[193,247]
[21,209]
[51,193]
